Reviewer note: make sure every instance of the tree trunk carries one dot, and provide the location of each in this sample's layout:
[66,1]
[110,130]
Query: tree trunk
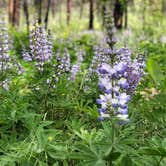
[14,12]
[163,6]
[38,4]
[118,14]
[91,14]
[126,14]
[47,13]
[11,10]
[26,12]
[103,12]
[68,11]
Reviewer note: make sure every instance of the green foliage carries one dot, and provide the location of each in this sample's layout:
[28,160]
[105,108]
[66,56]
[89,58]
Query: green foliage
[45,126]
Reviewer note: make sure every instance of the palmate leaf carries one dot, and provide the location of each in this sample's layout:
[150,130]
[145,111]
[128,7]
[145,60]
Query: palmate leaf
[154,70]
[86,160]
[84,151]
[126,161]
[58,151]
[112,156]
[41,136]
[86,156]
[153,152]
[156,148]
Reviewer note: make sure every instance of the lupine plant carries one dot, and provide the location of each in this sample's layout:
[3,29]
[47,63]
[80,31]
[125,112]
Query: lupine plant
[77,67]
[9,66]
[60,65]
[41,47]
[118,78]
[47,119]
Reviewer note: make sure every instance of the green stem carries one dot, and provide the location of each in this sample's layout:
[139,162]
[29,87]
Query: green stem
[113,140]
[113,132]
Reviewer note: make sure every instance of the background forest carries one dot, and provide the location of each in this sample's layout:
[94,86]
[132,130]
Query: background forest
[82,82]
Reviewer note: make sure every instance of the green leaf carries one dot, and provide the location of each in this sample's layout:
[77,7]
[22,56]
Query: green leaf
[126,160]
[153,152]
[112,156]
[154,70]
[58,151]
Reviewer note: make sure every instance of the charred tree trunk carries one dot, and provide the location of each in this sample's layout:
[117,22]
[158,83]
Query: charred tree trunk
[47,13]
[68,11]
[14,12]
[118,14]
[91,14]
[26,12]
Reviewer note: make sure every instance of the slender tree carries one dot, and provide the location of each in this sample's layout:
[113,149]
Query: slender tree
[26,12]
[14,12]
[126,13]
[47,13]
[118,14]
[68,11]
[11,9]
[103,11]
[38,4]
[91,13]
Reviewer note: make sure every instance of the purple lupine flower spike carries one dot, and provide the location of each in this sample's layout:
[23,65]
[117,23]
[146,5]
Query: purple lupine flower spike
[118,77]
[40,47]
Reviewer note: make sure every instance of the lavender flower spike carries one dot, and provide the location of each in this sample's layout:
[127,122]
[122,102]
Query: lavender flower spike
[118,78]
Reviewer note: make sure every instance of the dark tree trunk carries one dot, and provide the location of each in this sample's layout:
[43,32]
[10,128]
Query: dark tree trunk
[26,12]
[126,14]
[91,14]
[14,12]
[118,14]
[38,4]
[103,13]
[163,6]
[40,12]
[47,13]
[68,11]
